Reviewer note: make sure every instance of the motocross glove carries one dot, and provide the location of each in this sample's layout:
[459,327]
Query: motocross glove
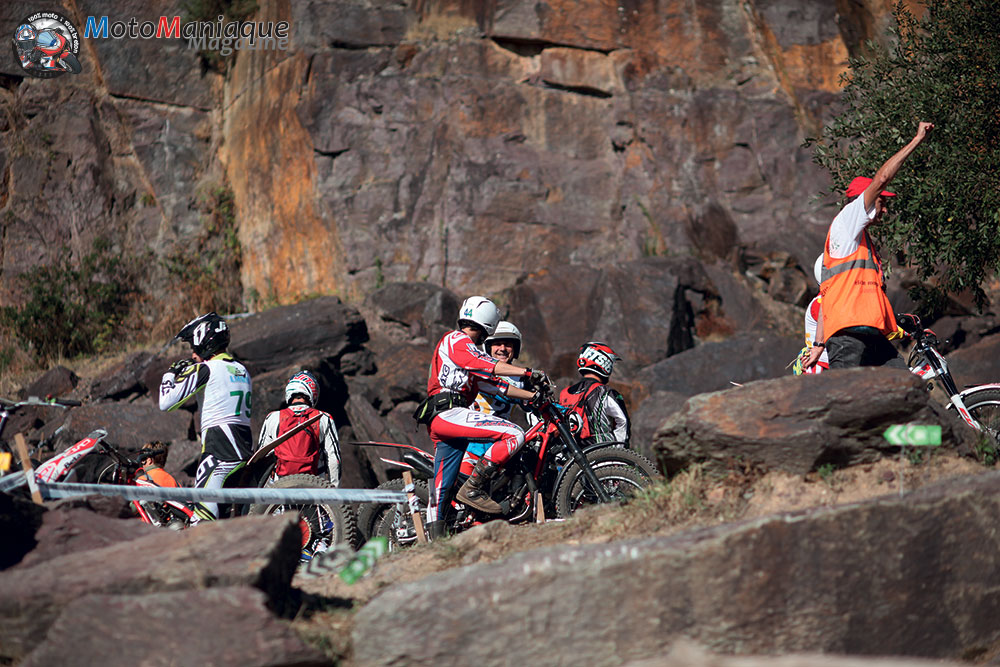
[178,366]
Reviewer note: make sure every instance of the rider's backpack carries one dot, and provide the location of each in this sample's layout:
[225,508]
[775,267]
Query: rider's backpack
[584,403]
[301,452]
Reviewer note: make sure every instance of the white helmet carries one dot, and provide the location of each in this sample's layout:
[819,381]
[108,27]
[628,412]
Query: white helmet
[480,311]
[303,383]
[505,331]
[818,270]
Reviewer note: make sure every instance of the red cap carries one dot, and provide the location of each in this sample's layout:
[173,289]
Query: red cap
[860,184]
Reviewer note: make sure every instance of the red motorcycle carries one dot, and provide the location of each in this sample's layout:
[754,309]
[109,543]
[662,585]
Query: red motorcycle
[52,53]
[554,470]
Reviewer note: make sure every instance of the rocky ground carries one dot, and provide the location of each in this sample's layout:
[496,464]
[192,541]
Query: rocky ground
[692,500]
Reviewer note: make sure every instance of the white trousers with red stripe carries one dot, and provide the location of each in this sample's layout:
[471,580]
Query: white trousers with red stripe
[451,431]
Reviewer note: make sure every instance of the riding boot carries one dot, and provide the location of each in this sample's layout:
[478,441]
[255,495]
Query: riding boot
[475,491]
[436,530]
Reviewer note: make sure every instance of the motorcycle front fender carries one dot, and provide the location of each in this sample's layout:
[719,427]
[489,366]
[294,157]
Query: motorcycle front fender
[972,391]
[586,451]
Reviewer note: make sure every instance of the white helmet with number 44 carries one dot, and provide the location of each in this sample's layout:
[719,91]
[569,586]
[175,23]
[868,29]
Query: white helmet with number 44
[480,311]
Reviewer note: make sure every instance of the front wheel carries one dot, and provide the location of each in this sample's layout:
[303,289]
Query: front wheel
[984,406]
[323,525]
[619,455]
[70,63]
[618,481]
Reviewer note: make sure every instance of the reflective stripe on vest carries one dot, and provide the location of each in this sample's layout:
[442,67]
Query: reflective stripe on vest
[854,291]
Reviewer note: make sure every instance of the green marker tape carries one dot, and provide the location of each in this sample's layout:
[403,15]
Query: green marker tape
[364,559]
[915,435]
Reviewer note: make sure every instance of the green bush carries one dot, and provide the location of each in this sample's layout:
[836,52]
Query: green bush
[73,309]
[943,68]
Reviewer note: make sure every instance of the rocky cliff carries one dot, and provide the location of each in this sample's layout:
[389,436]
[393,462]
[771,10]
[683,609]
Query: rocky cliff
[467,144]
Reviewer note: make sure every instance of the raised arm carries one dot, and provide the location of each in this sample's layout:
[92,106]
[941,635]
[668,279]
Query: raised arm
[888,170]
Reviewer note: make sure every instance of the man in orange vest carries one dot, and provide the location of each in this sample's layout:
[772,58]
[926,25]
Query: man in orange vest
[856,314]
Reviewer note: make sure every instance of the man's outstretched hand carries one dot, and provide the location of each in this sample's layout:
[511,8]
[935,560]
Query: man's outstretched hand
[923,128]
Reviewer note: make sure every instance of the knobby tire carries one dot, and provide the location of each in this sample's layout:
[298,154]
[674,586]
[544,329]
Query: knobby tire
[344,528]
[619,482]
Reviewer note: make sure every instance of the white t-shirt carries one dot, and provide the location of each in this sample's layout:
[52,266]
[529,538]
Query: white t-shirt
[848,226]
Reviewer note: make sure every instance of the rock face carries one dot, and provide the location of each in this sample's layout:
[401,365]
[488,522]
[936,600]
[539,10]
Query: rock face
[835,580]
[800,423]
[409,141]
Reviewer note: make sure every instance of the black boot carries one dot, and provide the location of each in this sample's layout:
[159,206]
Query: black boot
[436,530]
[475,491]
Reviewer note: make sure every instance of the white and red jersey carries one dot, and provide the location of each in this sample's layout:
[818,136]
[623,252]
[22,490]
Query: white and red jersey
[459,366]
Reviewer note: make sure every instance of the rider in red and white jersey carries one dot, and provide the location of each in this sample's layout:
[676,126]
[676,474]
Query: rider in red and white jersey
[307,451]
[459,371]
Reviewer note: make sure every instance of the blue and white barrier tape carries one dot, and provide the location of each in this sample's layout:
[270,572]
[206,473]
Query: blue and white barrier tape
[238,496]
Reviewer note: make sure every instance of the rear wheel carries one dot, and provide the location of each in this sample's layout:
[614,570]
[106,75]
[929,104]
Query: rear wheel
[322,525]
[369,514]
[618,481]
[396,524]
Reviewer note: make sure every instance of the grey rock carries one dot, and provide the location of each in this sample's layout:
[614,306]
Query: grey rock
[218,626]
[261,552]
[307,334]
[799,423]
[834,580]
[714,366]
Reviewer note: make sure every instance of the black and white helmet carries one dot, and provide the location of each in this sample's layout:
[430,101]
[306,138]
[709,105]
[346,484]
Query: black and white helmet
[480,311]
[207,335]
[505,331]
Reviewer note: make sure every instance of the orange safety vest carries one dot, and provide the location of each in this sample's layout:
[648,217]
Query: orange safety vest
[853,290]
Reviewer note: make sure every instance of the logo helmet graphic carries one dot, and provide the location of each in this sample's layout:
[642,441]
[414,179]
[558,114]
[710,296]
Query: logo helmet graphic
[47,45]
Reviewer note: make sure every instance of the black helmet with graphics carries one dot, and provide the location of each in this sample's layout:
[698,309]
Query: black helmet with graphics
[207,335]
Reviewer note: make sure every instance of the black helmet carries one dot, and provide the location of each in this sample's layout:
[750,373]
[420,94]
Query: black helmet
[207,335]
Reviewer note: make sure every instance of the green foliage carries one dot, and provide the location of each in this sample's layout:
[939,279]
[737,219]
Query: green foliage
[944,68]
[825,472]
[208,269]
[72,309]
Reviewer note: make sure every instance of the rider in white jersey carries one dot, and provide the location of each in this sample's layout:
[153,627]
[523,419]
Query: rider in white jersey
[223,390]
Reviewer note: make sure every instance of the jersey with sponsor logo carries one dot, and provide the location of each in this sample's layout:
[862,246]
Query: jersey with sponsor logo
[221,385]
[459,366]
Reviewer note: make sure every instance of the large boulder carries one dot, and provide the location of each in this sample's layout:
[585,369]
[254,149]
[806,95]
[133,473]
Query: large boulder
[126,378]
[20,520]
[70,528]
[215,626]
[910,576]
[129,425]
[261,552]
[306,334]
[713,366]
[799,423]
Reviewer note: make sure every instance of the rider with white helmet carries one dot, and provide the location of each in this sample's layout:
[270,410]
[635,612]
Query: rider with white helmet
[459,371]
[504,344]
[314,448]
